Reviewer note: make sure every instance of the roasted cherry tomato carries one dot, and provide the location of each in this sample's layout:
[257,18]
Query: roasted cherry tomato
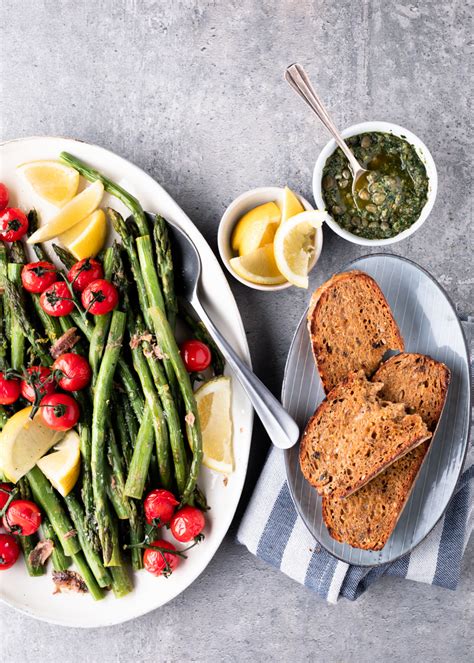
[187,524]
[23,517]
[84,272]
[9,551]
[59,411]
[100,297]
[159,506]
[9,390]
[158,562]
[56,300]
[72,371]
[39,380]
[37,276]
[4,196]
[13,224]
[5,490]
[196,355]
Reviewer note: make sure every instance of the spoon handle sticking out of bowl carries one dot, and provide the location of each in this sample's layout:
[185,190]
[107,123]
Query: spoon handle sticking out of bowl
[296,76]
[281,428]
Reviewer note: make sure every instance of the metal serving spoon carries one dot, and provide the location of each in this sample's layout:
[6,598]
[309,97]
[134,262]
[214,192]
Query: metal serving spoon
[281,428]
[296,76]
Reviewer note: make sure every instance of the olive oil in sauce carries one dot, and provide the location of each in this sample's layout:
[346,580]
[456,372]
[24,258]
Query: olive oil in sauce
[389,198]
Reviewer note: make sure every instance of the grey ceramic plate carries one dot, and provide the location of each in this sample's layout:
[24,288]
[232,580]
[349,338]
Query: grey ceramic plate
[429,325]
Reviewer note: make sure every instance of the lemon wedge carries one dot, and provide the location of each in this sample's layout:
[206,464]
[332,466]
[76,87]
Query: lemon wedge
[290,205]
[214,406]
[258,267]
[63,465]
[51,180]
[87,237]
[22,443]
[74,211]
[256,228]
[294,245]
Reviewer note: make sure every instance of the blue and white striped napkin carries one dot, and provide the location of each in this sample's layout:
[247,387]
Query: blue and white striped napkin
[272,530]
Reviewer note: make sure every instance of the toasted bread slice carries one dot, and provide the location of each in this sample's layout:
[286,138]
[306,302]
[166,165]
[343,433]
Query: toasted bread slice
[351,327]
[367,518]
[354,435]
[418,381]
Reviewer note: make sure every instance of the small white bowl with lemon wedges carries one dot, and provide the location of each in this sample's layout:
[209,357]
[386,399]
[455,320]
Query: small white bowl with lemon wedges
[270,238]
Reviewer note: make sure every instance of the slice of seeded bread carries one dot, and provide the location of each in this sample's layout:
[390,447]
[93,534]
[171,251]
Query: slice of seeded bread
[351,327]
[354,435]
[367,518]
[418,381]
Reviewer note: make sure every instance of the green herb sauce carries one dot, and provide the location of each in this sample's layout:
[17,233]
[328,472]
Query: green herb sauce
[389,198]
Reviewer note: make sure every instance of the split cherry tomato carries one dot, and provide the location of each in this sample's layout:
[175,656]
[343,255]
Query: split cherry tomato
[84,272]
[13,224]
[39,380]
[56,300]
[23,517]
[37,276]
[4,196]
[196,355]
[73,371]
[9,551]
[9,390]
[100,297]
[59,411]
[158,562]
[159,505]
[187,524]
[5,490]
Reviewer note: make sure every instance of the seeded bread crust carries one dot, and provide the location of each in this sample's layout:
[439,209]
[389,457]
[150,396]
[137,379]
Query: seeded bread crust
[367,518]
[354,435]
[351,327]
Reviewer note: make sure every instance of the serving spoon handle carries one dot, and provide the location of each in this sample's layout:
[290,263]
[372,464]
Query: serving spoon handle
[281,428]
[296,76]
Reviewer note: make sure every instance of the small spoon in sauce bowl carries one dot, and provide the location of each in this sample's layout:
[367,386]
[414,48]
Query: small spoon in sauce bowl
[296,76]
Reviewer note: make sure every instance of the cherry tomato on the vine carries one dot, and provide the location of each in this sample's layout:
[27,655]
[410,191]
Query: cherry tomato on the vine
[159,562]
[9,551]
[100,297]
[187,523]
[23,517]
[72,371]
[59,411]
[13,224]
[37,276]
[39,380]
[159,506]
[9,390]
[56,300]
[84,272]
[4,196]
[196,355]
[5,490]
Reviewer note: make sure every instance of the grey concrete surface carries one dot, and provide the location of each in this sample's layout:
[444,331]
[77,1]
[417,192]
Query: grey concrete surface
[193,93]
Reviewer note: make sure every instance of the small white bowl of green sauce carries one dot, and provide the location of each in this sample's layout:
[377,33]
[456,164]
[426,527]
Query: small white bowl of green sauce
[400,192]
